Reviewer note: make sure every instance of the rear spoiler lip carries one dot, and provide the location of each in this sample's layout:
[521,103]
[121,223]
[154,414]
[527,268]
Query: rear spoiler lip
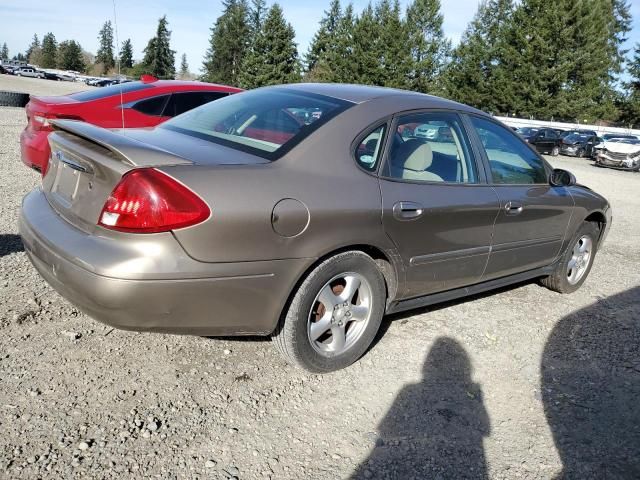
[134,152]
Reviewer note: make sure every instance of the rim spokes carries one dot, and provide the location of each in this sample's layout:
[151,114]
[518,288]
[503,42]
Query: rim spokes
[338,338]
[339,314]
[321,326]
[579,261]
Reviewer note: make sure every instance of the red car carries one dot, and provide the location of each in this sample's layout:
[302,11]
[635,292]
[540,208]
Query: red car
[139,104]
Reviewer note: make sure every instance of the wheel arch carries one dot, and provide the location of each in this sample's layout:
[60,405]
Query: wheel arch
[387,266]
[600,219]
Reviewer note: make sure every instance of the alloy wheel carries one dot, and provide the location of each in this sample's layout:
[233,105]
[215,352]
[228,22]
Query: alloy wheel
[339,314]
[580,259]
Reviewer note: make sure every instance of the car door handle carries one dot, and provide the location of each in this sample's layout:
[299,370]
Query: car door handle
[513,208]
[407,210]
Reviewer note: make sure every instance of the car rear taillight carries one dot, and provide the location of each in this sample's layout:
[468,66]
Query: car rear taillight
[149,201]
[40,121]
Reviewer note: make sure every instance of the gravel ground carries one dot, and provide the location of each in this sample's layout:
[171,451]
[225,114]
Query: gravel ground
[520,383]
[39,86]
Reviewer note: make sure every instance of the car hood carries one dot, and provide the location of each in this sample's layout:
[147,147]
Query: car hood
[620,147]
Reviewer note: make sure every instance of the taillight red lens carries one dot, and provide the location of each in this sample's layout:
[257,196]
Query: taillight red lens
[149,201]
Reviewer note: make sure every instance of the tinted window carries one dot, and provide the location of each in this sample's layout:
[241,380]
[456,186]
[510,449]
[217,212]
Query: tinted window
[105,92]
[151,106]
[261,121]
[183,102]
[431,147]
[369,149]
[510,159]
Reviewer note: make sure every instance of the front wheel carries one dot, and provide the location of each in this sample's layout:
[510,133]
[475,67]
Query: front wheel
[580,153]
[574,267]
[334,315]
[555,151]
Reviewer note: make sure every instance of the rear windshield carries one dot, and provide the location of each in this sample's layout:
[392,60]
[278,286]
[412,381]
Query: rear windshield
[267,122]
[104,92]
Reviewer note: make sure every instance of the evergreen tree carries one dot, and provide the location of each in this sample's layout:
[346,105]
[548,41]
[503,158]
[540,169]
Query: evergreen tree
[631,105]
[274,56]
[366,31]
[19,57]
[105,50]
[4,53]
[474,75]
[429,47]
[126,54]
[159,59]
[336,63]
[35,44]
[70,56]
[227,44]
[394,58]
[257,12]
[325,38]
[49,51]
[184,68]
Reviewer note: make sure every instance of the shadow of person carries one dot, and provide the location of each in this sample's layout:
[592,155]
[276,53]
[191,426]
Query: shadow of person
[435,428]
[10,243]
[590,377]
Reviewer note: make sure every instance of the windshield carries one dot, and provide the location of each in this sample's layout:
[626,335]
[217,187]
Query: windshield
[527,131]
[266,122]
[614,137]
[576,137]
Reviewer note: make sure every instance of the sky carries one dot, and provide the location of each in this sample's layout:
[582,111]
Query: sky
[189,21]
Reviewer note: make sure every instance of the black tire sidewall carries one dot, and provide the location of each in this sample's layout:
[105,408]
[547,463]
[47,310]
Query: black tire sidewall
[297,317]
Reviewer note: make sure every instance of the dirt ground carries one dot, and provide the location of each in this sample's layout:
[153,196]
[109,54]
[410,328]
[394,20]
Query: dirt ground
[521,383]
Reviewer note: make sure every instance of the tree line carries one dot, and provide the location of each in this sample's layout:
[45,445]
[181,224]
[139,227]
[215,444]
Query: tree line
[559,60]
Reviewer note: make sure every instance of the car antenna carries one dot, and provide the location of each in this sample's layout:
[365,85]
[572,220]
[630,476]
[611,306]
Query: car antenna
[115,24]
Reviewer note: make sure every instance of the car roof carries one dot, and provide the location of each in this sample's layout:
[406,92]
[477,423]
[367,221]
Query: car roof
[364,93]
[181,84]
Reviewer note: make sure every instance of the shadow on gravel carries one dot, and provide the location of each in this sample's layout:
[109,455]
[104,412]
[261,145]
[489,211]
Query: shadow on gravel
[435,428]
[590,377]
[10,243]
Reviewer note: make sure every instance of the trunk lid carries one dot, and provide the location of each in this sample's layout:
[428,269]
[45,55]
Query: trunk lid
[86,164]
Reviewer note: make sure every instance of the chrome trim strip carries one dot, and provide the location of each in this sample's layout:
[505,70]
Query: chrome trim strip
[453,255]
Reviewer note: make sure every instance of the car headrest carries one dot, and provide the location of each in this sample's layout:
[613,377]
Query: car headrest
[416,154]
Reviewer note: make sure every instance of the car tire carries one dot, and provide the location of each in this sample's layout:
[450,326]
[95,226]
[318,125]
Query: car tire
[13,99]
[580,153]
[355,319]
[555,151]
[566,278]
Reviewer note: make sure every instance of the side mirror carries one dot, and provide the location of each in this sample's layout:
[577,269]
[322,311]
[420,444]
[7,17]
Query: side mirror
[561,178]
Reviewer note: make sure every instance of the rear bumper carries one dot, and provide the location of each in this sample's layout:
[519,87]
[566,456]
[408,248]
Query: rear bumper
[34,149]
[171,295]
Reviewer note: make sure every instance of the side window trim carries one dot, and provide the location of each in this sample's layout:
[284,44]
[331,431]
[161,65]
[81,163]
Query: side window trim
[475,161]
[485,159]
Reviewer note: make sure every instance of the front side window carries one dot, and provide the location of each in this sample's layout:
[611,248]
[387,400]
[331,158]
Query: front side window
[369,149]
[510,159]
[264,121]
[431,147]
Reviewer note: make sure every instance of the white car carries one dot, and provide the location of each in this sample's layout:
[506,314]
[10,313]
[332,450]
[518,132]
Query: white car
[621,153]
[29,72]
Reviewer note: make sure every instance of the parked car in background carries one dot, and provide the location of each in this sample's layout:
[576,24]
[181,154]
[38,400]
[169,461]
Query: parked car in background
[137,104]
[619,153]
[238,218]
[29,72]
[544,140]
[622,136]
[579,143]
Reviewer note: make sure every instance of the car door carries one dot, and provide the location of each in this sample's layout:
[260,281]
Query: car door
[437,207]
[534,215]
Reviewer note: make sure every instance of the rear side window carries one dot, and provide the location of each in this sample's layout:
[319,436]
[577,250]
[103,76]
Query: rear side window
[151,106]
[110,91]
[185,101]
[369,149]
[431,147]
[510,159]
